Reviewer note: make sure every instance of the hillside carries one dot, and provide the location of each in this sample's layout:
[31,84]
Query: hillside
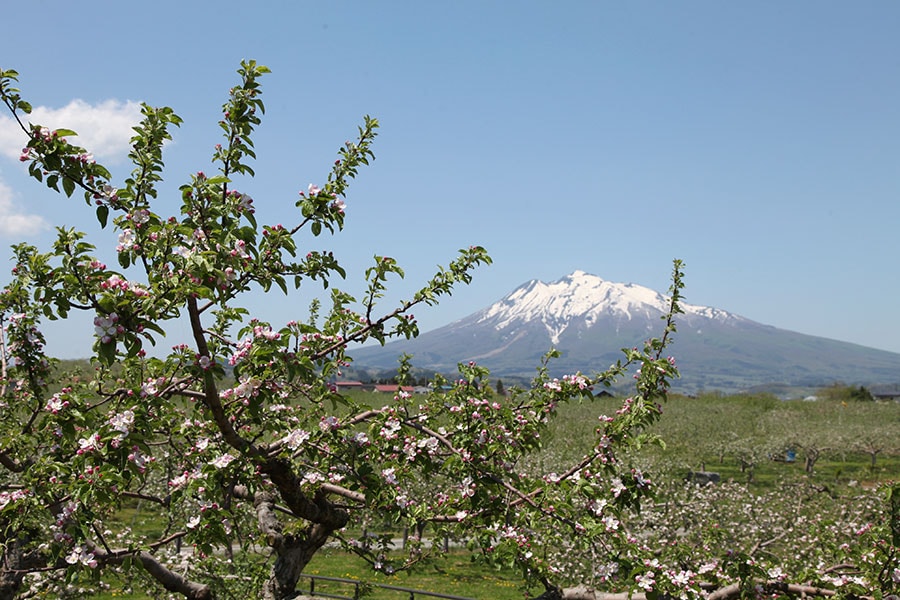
[589,320]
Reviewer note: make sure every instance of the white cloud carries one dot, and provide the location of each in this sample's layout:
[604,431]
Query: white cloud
[103,129]
[13,222]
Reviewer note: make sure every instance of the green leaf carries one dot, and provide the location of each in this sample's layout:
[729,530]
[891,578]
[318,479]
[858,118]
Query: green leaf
[102,214]
[68,186]
[134,346]
[282,285]
[107,353]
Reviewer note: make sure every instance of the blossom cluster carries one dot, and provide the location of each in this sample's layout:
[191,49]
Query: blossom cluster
[11,497]
[116,283]
[313,191]
[82,555]
[107,327]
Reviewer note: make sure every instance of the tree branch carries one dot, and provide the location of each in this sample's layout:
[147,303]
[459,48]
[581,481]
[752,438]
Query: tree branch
[170,580]
[211,392]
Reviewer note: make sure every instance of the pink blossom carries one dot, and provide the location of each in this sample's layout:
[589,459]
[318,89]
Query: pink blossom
[122,422]
[140,216]
[389,429]
[243,349]
[126,240]
[266,333]
[14,496]
[245,203]
[247,387]
[222,461]
[578,380]
[389,476]
[89,444]
[106,327]
[139,460]
[296,438]
[82,555]
[328,423]
[617,487]
[553,386]
[56,404]
[646,581]
[240,249]
[183,479]
[313,477]
[149,388]
[109,192]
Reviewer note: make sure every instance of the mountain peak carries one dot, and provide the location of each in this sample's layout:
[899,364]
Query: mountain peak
[579,274]
[579,296]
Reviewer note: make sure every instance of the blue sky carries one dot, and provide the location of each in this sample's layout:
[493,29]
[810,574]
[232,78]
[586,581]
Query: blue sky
[759,142]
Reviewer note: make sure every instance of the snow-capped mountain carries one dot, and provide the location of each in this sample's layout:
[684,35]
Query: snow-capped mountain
[583,299]
[589,320]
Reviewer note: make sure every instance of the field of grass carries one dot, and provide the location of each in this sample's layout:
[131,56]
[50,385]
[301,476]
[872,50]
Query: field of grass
[716,433]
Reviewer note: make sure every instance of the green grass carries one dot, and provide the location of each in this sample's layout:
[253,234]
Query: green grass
[713,431]
[454,574]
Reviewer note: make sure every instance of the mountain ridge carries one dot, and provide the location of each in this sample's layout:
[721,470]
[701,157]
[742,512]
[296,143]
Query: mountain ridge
[589,320]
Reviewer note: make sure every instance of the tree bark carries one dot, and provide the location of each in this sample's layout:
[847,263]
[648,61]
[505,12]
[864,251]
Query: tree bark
[293,556]
[16,563]
[293,552]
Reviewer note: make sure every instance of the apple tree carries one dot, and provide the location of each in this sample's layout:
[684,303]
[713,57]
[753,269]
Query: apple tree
[235,435]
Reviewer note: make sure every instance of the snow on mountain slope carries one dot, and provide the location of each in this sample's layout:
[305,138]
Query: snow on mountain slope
[585,298]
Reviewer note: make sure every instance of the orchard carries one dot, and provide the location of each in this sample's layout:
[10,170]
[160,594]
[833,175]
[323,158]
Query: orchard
[253,461]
